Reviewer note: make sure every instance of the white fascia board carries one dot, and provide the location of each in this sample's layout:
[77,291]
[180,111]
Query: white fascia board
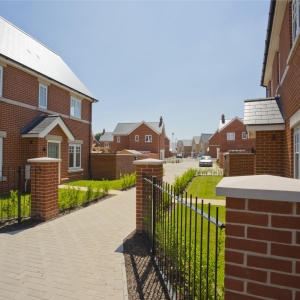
[274,39]
[236,118]
[60,122]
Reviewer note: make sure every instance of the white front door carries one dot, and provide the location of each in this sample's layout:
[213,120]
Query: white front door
[162,154]
[218,152]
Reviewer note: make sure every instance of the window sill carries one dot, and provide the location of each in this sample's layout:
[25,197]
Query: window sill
[75,118]
[75,170]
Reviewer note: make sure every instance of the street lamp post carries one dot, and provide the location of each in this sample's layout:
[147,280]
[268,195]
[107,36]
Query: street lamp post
[172,142]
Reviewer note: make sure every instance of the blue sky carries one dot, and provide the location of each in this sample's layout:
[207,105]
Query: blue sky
[187,61]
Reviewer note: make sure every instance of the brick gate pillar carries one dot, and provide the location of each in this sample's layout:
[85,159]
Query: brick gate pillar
[44,176]
[152,167]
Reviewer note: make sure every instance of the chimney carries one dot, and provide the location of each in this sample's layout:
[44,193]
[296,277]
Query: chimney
[223,118]
[160,121]
[103,131]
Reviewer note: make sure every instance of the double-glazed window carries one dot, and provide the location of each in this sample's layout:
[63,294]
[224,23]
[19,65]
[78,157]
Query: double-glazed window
[148,138]
[295,18]
[43,96]
[230,136]
[244,135]
[106,144]
[137,138]
[75,108]
[118,139]
[1,80]
[296,153]
[74,156]
[53,150]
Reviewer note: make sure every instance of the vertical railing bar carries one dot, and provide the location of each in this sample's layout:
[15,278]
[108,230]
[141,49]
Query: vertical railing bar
[201,246]
[180,258]
[19,194]
[216,253]
[153,213]
[195,247]
[190,245]
[177,233]
[185,228]
[207,254]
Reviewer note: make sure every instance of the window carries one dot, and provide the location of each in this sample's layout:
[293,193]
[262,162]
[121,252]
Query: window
[295,18]
[296,153]
[137,138]
[148,138]
[1,157]
[1,80]
[43,96]
[74,156]
[118,139]
[106,144]
[230,136]
[75,108]
[244,135]
[53,150]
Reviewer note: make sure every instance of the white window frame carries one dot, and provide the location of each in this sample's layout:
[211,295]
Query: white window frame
[230,136]
[296,153]
[244,135]
[1,157]
[53,142]
[46,89]
[75,147]
[295,19]
[148,138]
[106,144]
[136,138]
[118,139]
[75,108]
[1,81]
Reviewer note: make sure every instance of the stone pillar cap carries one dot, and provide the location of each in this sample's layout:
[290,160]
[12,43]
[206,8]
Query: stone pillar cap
[44,159]
[149,161]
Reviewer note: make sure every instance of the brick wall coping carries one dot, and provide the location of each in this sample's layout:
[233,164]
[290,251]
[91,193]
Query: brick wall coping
[263,187]
[149,161]
[44,159]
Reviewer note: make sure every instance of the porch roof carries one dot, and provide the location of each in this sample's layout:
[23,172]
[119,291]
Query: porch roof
[43,124]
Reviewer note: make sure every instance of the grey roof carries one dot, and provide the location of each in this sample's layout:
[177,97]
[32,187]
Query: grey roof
[25,50]
[206,137]
[126,128]
[107,137]
[263,111]
[187,142]
[38,124]
[196,139]
[227,122]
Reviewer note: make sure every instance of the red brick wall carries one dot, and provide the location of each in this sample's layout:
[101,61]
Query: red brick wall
[214,143]
[262,249]
[270,153]
[22,87]
[238,164]
[239,143]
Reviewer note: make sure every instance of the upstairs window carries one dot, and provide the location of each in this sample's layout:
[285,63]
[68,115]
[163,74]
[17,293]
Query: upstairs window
[230,136]
[118,139]
[148,138]
[75,108]
[137,138]
[244,135]
[74,156]
[106,144]
[1,80]
[295,18]
[43,96]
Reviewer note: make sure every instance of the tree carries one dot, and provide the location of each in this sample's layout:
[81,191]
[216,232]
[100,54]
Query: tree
[97,136]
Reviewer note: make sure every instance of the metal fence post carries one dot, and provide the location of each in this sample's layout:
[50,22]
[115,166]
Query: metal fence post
[19,194]
[153,213]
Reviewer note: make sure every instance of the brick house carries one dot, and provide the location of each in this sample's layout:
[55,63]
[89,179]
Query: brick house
[106,140]
[186,148]
[45,110]
[145,137]
[195,146]
[204,143]
[230,136]
[275,120]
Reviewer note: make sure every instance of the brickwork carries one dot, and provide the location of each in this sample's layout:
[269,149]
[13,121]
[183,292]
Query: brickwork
[238,164]
[24,88]
[262,249]
[44,188]
[152,168]
[214,143]
[111,166]
[269,153]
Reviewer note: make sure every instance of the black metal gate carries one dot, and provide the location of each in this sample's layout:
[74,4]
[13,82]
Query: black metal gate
[186,241]
[15,198]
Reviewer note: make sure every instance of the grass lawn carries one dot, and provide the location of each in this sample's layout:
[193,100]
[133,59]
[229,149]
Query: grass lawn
[113,184]
[204,187]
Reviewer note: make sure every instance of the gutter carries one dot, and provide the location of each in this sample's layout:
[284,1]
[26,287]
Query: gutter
[268,37]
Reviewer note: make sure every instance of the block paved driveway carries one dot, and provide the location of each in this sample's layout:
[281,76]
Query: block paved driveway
[77,256]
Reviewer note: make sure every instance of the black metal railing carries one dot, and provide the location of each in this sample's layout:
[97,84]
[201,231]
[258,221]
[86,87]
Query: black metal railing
[186,241]
[15,198]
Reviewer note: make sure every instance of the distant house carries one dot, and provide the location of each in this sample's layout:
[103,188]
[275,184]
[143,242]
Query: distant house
[45,110]
[146,137]
[230,136]
[186,148]
[106,140]
[204,143]
[179,147]
[195,146]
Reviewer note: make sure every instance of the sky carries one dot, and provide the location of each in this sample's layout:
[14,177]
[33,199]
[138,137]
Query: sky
[187,61]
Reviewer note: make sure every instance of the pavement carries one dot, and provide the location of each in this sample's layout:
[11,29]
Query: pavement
[77,256]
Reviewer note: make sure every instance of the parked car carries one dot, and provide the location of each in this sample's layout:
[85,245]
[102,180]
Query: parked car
[179,156]
[205,161]
[200,155]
